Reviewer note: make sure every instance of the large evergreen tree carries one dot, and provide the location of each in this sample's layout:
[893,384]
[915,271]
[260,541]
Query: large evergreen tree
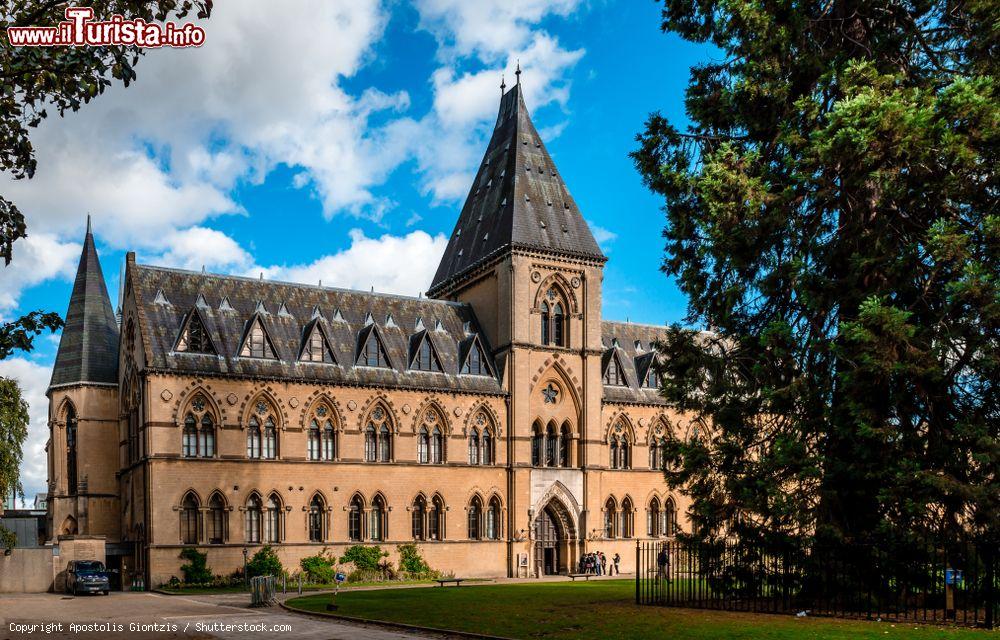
[832,216]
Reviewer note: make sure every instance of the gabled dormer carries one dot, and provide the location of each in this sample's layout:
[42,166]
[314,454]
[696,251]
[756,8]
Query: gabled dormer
[256,342]
[315,344]
[646,372]
[371,348]
[472,358]
[423,356]
[194,336]
[613,371]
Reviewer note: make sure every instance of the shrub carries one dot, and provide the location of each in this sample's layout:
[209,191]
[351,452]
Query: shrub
[8,540]
[319,568]
[265,563]
[196,571]
[364,558]
[410,560]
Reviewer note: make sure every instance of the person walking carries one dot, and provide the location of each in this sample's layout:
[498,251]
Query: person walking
[615,563]
[663,564]
[604,564]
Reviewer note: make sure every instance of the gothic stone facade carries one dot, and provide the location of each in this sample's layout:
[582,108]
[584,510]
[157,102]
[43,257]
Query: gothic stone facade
[498,423]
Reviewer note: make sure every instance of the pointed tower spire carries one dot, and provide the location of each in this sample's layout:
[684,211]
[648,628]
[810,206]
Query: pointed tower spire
[518,200]
[88,348]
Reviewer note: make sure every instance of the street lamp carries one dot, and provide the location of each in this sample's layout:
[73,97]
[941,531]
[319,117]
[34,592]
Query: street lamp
[246,577]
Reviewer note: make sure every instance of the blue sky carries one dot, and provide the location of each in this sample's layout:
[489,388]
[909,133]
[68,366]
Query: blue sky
[336,141]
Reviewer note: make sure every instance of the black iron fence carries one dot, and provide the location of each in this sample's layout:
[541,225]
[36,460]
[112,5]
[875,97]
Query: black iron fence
[955,583]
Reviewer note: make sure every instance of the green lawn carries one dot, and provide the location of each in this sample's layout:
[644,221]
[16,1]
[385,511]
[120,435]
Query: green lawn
[598,610]
[292,586]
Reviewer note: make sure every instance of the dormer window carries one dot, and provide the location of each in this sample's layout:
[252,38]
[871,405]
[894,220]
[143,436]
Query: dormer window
[475,360]
[613,374]
[256,342]
[315,347]
[424,358]
[372,353]
[193,337]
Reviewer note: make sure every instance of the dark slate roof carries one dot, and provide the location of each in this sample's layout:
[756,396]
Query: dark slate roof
[165,297]
[517,200]
[622,337]
[88,348]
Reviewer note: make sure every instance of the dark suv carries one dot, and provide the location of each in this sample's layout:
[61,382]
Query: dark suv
[84,576]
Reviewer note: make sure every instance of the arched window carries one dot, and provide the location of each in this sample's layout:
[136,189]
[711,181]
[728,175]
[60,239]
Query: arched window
[270,440]
[625,453]
[317,511]
[653,519]
[614,452]
[475,513]
[669,526]
[423,446]
[545,322]
[189,438]
[378,436]
[661,460]
[418,513]
[610,518]
[474,446]
[487,456]
[253,438]
[262,431]
[537,445]
[551,446]
[377,520]
[272,520]
[253,519]
[493,519]
[437,446]
[435,519]
[329,441]
[371,444]
[71,438]
[558,326]
[315,441]
[206,437]
[564,442]
[654,454]
[189,519]
[216,519]
[627,523]
[354,519]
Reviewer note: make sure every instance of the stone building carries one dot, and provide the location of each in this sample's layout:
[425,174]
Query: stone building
[500,423]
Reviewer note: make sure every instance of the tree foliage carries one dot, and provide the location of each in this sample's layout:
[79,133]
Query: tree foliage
[196,569]
[832,217]
[13,432]
[265,563]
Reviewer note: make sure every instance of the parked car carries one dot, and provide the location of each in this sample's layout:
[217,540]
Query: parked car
[87,576]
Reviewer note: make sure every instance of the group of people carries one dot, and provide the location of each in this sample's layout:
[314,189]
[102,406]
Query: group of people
[597,563]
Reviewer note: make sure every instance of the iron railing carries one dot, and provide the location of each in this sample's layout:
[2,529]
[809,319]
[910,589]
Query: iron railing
[956,582]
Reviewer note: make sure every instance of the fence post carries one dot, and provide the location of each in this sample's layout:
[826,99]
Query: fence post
[638,572]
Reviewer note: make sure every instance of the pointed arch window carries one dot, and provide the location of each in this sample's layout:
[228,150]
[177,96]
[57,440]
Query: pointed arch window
[487,455]
[254,515]
[610,518]
[423,446]
[189,438]
[653,521]
[621,451]
[437,446]
[384,444]
[668,525]
[354,519]
[270,450]
[378,436]
[194,336]
[262,432]
[537,445]
[545,318]
[272,519]
[564,441]
[626,526]
[216,519]
[377,520]
[256,343]
[551,446]
[418,513]
[435,519]
[253,438]
[474,446]
[317,515]
[71,439]
[315,441]
[558,326]
[198,435]
[189,519]
[316,348]
[322,437]
[371,444]
[493,519]
[552,313]
[475,515]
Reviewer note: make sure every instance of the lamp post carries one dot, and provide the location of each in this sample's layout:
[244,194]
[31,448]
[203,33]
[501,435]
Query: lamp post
[246,577]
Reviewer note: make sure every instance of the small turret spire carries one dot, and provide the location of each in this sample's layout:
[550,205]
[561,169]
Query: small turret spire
[503,84]
[88,224]
[518,72]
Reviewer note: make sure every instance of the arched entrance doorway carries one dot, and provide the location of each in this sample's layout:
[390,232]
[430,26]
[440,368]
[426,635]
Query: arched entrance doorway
[553,535]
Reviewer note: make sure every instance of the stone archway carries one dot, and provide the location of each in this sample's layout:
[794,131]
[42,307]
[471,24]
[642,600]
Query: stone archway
[554,534]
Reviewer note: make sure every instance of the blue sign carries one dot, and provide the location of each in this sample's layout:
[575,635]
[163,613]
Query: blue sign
[953,576]
[339,577]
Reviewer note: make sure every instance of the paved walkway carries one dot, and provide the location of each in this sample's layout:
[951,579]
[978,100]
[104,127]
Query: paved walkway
[154,616]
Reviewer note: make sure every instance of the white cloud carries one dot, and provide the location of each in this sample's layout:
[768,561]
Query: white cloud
[390,264]
[36,259]
[603,236]
[33,380]
[199,247]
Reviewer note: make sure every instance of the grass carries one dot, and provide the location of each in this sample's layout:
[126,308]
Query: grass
[594,610]
[291,586]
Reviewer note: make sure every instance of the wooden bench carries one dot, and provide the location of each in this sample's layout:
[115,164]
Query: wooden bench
[443,581]
[585,576]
